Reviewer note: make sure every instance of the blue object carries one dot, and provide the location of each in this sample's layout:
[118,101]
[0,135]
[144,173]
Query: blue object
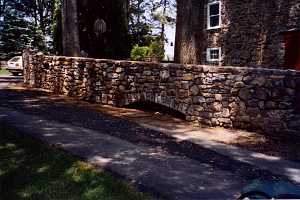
[260,189]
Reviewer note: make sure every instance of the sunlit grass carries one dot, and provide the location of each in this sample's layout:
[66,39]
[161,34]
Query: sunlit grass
[4,72]
[31,170]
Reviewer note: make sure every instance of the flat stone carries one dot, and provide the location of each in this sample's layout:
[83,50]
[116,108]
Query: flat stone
[259,81]
[239,84]
[188,77]
[147,73]
[225,120]
[199,100]
[198,108]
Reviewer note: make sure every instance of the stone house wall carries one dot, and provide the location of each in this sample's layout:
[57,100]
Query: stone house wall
[250,34]
[233,97]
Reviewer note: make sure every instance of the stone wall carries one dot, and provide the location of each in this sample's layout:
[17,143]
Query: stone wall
[246,98]
[250,34]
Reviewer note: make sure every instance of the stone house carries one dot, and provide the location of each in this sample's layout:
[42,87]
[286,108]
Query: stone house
[253,33]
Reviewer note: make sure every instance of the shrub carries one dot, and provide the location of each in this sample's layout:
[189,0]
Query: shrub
[139,53]
[156,50]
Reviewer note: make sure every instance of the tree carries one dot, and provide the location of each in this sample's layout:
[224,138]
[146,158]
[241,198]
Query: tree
[2,7]
[16,31]
[70,32]
[140,28]
[163,15]
[56,28]
[103,28]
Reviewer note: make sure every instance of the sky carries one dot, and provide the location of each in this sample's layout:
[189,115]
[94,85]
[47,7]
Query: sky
[169,50]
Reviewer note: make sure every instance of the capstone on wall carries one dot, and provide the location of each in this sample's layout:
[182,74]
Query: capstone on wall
[233,97]
[250,34]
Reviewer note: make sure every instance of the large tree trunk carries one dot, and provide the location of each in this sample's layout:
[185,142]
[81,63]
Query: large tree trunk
[114,41]
[71,46]
[189,31]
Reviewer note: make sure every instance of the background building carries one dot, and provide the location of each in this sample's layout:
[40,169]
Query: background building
[251,33]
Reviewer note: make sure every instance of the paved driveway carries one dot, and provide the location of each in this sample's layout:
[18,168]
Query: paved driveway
[206,165]
[7,80]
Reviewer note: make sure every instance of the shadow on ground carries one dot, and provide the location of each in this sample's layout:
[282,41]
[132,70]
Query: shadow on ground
[29,170]
[39,103]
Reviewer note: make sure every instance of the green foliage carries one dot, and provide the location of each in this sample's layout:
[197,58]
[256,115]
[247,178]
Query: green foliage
[30,170]
[156,50]
[56,27]
[139,25]
[139,53]
[16,32]
[4,71]
[25,23]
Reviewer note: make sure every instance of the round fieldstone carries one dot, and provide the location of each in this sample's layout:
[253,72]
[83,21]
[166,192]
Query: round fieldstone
[217,106]
[195,90]
[218,97]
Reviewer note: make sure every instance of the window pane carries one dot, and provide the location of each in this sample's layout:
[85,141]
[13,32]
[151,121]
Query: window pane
[15,59]
[214,9]
[214,54]
[214,21]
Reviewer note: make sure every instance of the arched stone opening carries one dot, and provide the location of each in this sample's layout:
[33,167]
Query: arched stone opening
[154,103]
[157,109]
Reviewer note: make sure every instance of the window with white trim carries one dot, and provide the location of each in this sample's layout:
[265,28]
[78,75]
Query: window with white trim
[214,14]
[214,54]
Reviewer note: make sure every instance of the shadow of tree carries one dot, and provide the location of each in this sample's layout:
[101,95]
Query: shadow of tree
[30,170]
[39,104]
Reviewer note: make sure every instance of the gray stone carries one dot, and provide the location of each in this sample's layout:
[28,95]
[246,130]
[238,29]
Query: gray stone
[239,84]
[261,94]
[244,94]
[147,73]
[203,92]
[253,111]
[199,100]
[225,120]
[270,105]
[164,75]
[259,81]
[198,108]
[195,90]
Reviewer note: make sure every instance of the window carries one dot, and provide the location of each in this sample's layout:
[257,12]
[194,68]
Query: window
[213,54]
[15,59]
[214,15]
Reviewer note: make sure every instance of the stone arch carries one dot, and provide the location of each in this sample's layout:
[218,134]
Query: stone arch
[164,100]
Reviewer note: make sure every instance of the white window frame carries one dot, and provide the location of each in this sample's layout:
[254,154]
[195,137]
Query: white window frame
[208,54]
[208,14]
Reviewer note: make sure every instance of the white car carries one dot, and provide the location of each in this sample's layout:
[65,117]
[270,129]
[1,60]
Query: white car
[15,65]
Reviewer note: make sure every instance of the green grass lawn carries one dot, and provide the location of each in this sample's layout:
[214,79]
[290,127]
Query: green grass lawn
[4,72]
[31,170]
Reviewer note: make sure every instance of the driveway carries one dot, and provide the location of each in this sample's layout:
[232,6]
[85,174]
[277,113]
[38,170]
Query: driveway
[168,156]
[9,80]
